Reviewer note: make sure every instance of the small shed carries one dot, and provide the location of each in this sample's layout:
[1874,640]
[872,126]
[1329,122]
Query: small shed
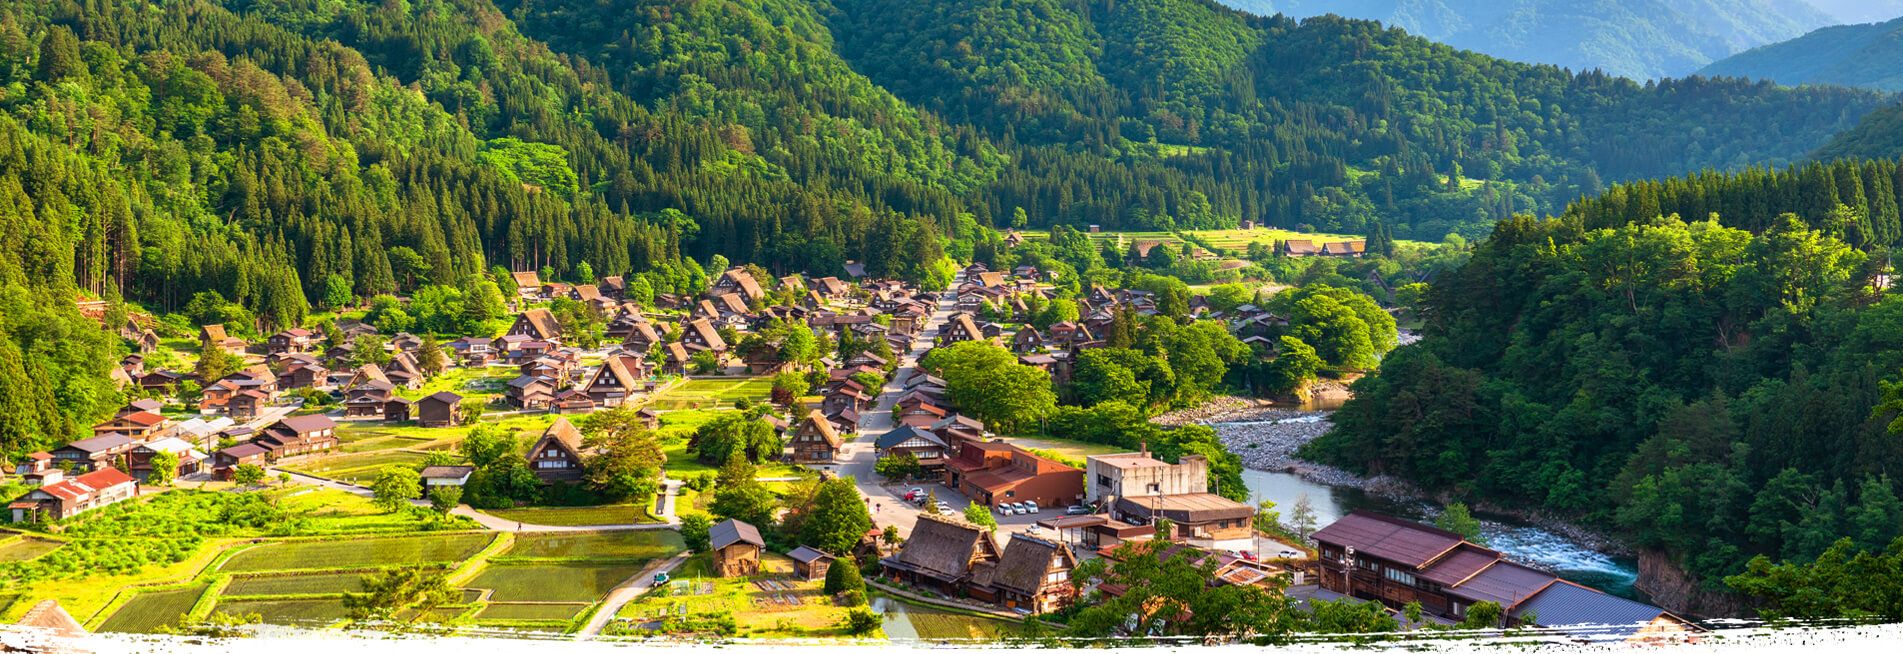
[809,563]
[737,548]
[434,476]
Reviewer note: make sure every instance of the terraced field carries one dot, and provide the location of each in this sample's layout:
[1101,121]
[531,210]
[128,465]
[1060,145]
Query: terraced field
[342,582]
[358,553]
[579,516]
[303,613]
[615,544]
[709,393]
[151,610]
[27,549]
[531,611]
[552,583]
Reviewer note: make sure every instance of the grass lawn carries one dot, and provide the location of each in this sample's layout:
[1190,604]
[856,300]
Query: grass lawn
[552,583]
[467,382]
[1070,449]
[342,582]
[359,553]
[531,611]
[814,616]
[649,544]
[579,516]
[388,443]
[336,511]
[148,611]
[309,612]
[27,549]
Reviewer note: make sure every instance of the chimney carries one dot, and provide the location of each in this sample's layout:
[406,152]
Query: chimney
[1143,447]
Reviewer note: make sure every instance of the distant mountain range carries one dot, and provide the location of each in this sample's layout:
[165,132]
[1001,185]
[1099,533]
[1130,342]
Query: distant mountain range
[1869,56]
[1641,39]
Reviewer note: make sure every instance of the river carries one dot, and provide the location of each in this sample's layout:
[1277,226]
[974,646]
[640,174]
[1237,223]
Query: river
[1518,540]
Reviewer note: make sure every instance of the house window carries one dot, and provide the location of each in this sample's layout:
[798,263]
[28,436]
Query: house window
[1010,493]
[1103,480]
[1400,576]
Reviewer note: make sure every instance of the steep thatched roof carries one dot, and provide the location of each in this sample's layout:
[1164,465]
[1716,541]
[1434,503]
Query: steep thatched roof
[946,547]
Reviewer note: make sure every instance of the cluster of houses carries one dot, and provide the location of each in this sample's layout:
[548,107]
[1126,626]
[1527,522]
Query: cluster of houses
[106,467]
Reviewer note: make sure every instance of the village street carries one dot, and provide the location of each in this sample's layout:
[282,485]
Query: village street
[858,456]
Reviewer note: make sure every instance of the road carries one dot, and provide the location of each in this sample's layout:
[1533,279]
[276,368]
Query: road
[626,592]
[858,455]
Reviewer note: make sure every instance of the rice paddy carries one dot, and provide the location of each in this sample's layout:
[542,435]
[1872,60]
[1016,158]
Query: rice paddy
[552,583]
[531,611]
[341,582]
[579,516]
[653,544]
[309,612]
[27,549]
[150,610]
[360,553]
[712,393]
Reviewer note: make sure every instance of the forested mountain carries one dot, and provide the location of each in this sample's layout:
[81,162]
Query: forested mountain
[1852,12]
[1868,55]
[303,153]
[1711,388]
[1641,39]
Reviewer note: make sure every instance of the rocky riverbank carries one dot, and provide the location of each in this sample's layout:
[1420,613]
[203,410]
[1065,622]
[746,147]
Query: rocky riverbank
[1267,438]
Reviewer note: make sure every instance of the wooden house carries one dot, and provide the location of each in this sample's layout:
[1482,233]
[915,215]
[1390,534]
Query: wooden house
[528,285]
[930,449]
[737,281]
[1033,575]
[398,409]
[442,409]
[537,324]
[815,440]
[214,336]
[675,359]
[225,462]
[67,498]
[291,340]
[367,399]
[298,436]
[526,392]
[737,547]
[810,564]
[557,455]
[941,554]
[617,380]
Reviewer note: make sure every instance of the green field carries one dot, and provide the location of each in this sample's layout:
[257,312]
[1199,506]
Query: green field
[711,393]
[27,549]
[289,612]
[552,583]
[579,516]
[385,444]
[650,544]
[342,582]
[531,611]
[148,611]
[358,553]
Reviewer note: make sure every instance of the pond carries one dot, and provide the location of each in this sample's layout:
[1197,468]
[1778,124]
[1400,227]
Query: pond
[910,623]
[1526,543]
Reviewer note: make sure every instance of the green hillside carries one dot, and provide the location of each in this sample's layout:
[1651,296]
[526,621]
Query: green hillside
[1868,56]
[1641,39]
[250,162]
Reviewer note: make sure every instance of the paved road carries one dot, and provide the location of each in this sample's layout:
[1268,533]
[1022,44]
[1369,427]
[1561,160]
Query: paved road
[626,592]
[858,455]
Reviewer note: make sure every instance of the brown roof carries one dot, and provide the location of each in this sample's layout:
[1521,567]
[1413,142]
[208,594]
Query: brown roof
[1402,541]
[1505,583]
[565,433]
[1344,247]
[303,424]
[730,531]
[804,554]
[943,546]
[746,281]
[1300,246]
[213,333]
[617,366]
[543,323]
[48,615]
[527,279]
[823,426]
[587,292]
[1457,566]
[446,472]
[1025,564]
[708,333]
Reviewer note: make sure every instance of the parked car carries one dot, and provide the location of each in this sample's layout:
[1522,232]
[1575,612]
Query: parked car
[1291,554]
[1006,509]
[1247,555]
[943,507]
[1077,509]
[1029,507]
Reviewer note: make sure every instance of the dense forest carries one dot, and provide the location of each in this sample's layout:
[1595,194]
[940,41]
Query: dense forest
[303,155]
[1707,363]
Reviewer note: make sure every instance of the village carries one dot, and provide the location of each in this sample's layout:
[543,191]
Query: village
[961,520]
